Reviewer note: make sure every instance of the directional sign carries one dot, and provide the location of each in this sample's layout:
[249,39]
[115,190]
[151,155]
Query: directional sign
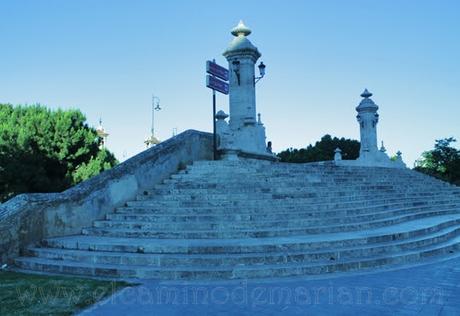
[216,70]
[216,84]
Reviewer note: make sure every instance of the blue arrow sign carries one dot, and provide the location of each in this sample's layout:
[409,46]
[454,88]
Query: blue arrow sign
[216,84]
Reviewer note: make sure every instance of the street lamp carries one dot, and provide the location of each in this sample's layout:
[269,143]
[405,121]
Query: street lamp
[152,140]
[261,72]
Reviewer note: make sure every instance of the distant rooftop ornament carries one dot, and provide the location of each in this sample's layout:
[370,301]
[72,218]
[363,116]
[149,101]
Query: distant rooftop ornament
[241,29]
[101,131]
[102,134]
[366,94]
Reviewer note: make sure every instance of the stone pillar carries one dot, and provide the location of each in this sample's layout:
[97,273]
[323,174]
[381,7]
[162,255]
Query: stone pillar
[368,119]
[369,154]
[242,56]
[246,135]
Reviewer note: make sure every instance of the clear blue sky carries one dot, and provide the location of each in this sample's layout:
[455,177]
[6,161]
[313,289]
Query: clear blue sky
[108,57]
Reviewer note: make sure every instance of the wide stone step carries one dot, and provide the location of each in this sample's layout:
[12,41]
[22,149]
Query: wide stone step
[201,188]
[401,231]
[210,196]
[237,271]
[280,257]
[255,213]
[206,195]
[258,222]
[242,206]
[306,174]
[285,178]
[276,200]
[258,233]
[296,169]
[313,210]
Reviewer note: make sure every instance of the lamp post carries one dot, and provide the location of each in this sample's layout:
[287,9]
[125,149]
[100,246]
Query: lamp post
[155,107]
[261,72]
[102,134]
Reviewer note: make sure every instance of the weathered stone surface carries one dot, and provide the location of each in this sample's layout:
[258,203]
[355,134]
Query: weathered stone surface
[244,134]
[257,219]
[29,218]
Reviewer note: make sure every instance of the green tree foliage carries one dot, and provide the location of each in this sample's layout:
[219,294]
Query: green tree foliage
[94,166]
[47,151]
[322,150]
[442,162]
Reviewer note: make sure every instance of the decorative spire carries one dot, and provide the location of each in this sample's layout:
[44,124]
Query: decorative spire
[241,30]
[383,149]
[366,104]
[366,94]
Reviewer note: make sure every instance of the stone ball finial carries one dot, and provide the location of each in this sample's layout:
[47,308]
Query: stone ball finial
[366,94]
[241,29]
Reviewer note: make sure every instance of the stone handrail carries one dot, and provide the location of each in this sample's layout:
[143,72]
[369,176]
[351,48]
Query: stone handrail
[28,218]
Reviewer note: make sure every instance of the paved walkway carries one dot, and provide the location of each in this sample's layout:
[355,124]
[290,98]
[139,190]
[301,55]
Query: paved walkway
[431,289]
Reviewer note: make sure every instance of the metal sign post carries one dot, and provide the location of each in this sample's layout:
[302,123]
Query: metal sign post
[216,80]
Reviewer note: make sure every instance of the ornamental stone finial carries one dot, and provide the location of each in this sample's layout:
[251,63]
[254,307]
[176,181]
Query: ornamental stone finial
[366,94]
[241,30]
[367,104]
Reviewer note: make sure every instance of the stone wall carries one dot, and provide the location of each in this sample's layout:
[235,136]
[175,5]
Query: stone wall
[28,218]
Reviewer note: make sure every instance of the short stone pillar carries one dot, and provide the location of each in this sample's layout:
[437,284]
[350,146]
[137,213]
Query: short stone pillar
[222,129]
[337,154]
[269,148]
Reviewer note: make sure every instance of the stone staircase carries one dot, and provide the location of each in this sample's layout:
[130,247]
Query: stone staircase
[254,219]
